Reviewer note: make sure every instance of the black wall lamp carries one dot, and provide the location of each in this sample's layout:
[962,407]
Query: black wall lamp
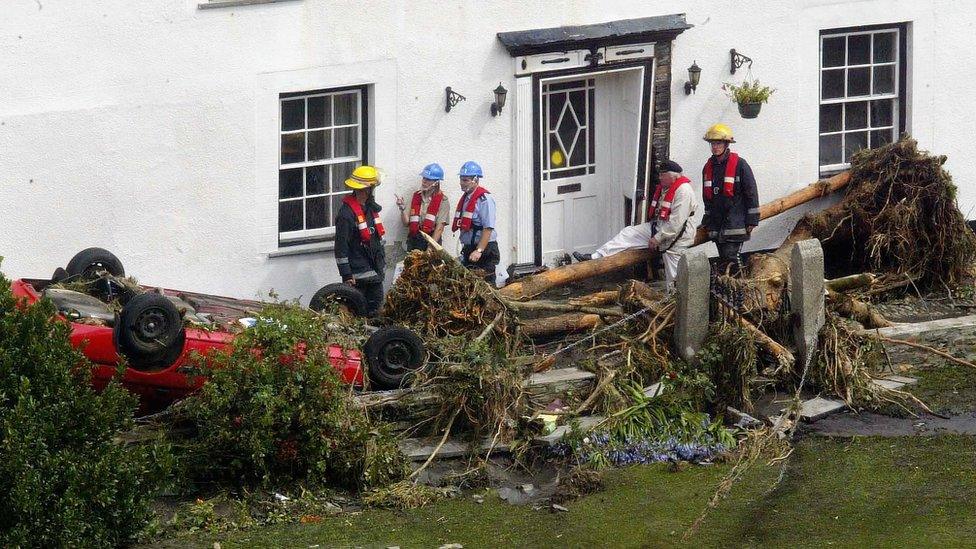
[694,75]
[500,94]
[737,60]
[453,98]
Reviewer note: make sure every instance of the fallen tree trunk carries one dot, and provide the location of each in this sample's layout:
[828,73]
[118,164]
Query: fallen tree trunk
[534,285]
[597,299]
[561,324]
[561,307]
[851,282]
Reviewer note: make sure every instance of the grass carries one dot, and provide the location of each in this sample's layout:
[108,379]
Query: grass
[945,386]
[841,492]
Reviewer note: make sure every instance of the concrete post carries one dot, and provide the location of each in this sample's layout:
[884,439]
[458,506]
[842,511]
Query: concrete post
[691,287]
[807,296]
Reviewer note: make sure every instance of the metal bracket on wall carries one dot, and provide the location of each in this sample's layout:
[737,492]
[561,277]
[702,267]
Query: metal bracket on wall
[737,60]
[453,98]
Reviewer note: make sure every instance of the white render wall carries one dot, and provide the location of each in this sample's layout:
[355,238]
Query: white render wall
[150,128]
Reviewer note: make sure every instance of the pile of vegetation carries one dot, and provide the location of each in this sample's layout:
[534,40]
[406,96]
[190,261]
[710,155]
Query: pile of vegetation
[438,297]
[275,412]
[66,477]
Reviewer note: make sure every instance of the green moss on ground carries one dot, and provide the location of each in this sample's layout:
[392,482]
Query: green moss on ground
[907,491]
[946,387]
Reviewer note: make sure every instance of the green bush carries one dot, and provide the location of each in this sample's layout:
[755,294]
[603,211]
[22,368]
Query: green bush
[274,411]
[65,479]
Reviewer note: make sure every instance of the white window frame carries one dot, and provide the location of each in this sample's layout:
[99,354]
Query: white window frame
[323,233]
[896,109]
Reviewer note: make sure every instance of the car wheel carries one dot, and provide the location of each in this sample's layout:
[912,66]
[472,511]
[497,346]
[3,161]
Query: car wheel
[88,262]
[343,294]
[149,326]
[392,354]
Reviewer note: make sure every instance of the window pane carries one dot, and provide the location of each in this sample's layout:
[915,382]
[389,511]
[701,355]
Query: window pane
[884,79]
[556,103]
[319,111]
[315,180]
[346,111]
[859,49]
[884,47]
[830,117]
[557,156]
[881,113]
[834,51]
[290,183]
[319,144]
[858,81]
[292,114]
[336,201]
[292,148]
[881,137]
[854,142]
[316,212]
[290,216]
[341,172]
[830,149]
[833,84]
[856,115]
[346,142]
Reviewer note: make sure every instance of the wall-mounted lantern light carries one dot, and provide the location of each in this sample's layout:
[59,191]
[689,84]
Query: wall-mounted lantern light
[737,60]
[453,98]
[500,94]
[694,75]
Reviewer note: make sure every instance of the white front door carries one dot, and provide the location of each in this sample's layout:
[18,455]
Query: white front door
[575,178]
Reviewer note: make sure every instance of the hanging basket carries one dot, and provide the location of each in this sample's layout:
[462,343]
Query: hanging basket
[749,110]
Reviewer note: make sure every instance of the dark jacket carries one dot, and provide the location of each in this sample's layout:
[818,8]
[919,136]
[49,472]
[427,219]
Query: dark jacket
[727,217]
[354,258]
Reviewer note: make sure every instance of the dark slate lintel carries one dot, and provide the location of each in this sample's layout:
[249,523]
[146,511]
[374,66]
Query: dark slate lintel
[624,31]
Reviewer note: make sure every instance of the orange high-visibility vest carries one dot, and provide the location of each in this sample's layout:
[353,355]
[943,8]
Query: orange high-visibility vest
[728,188]
[462,219]
[662,210]
[357,209]
[429,218]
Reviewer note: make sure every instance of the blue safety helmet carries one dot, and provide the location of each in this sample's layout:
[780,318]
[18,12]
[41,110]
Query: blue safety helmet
[471,169]
[434,172]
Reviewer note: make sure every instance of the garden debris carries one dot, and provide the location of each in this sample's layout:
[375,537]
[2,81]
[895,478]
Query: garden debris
[578,483]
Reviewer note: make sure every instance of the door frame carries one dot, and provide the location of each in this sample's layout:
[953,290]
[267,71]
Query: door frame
[645,113]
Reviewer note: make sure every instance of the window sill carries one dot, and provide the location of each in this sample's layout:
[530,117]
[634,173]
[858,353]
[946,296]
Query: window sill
[234,3]
[303,249]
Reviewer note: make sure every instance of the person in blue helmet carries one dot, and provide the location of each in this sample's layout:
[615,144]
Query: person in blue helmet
[475,218]
[429,209]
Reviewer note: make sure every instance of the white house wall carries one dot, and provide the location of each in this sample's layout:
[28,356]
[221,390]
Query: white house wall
[149,128]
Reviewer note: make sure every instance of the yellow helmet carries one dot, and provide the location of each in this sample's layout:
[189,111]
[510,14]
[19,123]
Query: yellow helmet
[363,177]
[719,132]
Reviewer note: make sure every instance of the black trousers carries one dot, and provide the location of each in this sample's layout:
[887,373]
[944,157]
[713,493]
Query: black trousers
[489,260]
[417,243]
[728,258]
[373,291]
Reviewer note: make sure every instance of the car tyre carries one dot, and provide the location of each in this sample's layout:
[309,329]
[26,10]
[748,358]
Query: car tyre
[393,354]
[149,328]
[344,294]
[88,262]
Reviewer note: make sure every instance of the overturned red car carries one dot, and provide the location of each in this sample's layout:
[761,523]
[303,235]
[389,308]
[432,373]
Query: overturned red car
[157,330]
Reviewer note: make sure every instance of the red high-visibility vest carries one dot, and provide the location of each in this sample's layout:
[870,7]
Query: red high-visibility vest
[357,209]
[662,211]
[728,188]
[462,219]
[429,218]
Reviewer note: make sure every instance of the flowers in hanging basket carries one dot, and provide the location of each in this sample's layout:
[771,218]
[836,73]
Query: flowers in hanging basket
[748,92]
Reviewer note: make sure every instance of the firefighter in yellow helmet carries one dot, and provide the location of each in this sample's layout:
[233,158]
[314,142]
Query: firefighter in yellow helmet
[359,238]
[730,197]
